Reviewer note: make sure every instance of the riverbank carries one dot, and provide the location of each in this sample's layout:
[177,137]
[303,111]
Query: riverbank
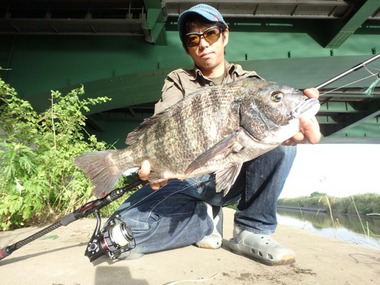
[362,230]
[59,258]
[363,204]
[326,210]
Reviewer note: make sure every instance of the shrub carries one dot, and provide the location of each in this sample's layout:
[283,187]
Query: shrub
[38,180]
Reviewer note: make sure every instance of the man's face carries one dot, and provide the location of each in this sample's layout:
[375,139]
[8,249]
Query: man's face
[207,55]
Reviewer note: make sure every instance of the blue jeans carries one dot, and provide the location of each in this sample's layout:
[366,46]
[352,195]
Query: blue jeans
[176,215]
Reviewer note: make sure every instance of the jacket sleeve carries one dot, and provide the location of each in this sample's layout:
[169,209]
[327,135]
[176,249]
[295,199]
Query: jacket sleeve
[171,93]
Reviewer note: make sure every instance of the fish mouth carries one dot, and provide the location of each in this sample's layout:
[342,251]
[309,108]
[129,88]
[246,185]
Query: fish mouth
[307,108]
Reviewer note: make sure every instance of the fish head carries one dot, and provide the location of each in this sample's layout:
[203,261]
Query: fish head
[271,113]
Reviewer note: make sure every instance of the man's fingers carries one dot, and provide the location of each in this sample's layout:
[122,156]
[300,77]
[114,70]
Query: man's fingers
[310,129]
[156,186]
[144,173]
[144,170]
[296,139]
[311,92]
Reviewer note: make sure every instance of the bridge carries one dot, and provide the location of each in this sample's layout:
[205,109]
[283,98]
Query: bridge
[123,49]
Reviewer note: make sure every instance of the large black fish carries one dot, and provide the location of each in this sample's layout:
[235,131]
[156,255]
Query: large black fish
[214,129]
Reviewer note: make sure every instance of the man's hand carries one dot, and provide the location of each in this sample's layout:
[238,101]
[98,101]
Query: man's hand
[144,174]
[309,127]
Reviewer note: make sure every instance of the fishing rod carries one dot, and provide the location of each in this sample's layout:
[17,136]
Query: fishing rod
[355,68]
[113,240]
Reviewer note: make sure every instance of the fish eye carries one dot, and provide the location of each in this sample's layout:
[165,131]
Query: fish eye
[277,96]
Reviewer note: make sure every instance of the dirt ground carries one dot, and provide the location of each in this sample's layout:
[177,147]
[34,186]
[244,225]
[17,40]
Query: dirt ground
[58,258]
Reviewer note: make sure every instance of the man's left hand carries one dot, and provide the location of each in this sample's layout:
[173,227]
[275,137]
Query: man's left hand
[309,127]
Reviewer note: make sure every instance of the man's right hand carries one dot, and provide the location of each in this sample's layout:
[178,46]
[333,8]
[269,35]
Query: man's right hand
[144,175]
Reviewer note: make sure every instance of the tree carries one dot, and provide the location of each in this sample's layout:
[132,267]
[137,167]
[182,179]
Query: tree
[317,194]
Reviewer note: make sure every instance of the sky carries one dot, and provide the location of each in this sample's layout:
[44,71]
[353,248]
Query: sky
[338,170]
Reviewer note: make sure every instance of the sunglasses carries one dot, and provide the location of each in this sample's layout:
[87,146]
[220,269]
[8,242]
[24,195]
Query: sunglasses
[211,35]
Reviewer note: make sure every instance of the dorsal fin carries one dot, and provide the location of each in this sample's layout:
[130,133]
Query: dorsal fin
[136,133]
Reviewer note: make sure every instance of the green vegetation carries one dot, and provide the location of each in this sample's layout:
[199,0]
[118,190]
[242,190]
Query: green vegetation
[363,204]
[38,181]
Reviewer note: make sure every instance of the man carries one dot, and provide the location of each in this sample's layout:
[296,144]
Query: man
[189,212]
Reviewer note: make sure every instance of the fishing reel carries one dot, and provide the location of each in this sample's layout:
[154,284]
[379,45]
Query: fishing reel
[113,240]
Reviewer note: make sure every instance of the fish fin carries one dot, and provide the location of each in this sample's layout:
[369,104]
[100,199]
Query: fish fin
[226,177]
[136,133]
[216,153]
[101,169]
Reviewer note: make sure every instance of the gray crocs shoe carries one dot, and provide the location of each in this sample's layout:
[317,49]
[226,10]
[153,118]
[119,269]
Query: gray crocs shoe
[213,240]
[261,248]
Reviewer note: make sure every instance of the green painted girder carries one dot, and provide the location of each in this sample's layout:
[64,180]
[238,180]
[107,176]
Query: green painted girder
[353,120]
[155,23]
[132,73]
[333,112]
[352,94]
[125,90]
[355,22]
[144,87]
[325,120]
[364,130]
[337,107]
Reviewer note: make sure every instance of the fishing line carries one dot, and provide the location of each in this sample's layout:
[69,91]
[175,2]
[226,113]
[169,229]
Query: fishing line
[373,85]
[371,88]
[368,91]
[133,205]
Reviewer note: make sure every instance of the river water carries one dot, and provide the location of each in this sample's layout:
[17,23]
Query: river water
[363,231]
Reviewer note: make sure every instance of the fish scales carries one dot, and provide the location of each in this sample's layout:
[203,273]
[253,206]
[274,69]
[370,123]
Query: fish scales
[202,110]
[214,129]
[189,118]
[183,141]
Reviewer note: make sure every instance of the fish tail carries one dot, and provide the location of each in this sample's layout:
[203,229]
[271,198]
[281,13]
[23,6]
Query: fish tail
[102,169]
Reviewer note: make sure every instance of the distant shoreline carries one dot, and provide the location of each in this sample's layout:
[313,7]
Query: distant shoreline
[325,211]
[367,205]
[306,209]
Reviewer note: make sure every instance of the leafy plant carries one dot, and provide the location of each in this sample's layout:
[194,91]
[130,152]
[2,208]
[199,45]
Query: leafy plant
[38,180]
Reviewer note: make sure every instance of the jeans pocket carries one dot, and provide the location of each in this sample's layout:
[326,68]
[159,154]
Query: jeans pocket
[142,224]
